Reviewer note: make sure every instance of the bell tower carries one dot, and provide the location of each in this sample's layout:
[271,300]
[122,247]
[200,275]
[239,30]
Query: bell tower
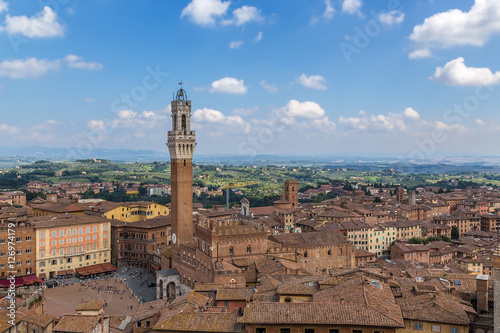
[181,143]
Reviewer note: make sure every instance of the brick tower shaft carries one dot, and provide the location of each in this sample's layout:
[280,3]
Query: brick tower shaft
[181,144]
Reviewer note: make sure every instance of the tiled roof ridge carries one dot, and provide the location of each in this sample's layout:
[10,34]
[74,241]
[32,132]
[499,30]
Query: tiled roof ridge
[364,306]
[370,306]
[438,305]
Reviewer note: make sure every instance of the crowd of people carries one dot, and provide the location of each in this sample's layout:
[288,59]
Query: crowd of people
[94,285]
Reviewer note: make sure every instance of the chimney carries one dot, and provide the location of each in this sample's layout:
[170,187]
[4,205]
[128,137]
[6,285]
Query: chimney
[482,282]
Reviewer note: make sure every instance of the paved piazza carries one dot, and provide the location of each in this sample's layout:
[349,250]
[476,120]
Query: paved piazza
[64,300]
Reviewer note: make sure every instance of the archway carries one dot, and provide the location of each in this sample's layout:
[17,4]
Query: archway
[171,290]
[161,289]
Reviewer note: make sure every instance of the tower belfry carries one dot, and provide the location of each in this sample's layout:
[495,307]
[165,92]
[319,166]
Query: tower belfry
[181,144]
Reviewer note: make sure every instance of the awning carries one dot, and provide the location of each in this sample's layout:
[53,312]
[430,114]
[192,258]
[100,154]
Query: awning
[20,281]
[95,269]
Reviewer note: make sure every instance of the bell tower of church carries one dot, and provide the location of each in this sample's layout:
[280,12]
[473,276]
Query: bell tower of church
[181,143]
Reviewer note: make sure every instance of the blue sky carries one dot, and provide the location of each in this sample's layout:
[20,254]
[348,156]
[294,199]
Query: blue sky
[414,79]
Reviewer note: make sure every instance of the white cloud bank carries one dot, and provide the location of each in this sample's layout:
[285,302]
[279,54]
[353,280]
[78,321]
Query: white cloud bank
[42,25]
[456,73]
[229,85]
[457,28]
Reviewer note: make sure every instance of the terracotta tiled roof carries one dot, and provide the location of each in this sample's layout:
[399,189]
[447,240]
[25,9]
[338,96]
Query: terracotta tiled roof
[359,290]
[436,308]
[266,296]
[234,294]
[267,210]
[305,286]
[310,239]
[159,221]
[199,322]
[91,305]
[38,319]
[149,309]
[5,319]
[363,253]
[202,287]
[411,247]
[49,221]
[315,313]
[77,323]
[168,312]
[191,298]
[60,208]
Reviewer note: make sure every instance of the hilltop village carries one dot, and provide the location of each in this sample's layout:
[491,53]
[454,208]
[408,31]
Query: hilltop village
[396,260]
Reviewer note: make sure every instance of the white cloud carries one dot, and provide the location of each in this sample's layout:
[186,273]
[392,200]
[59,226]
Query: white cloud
[455,73]
[329,10]
[44,24]
[29,68]
[91,100]
[441,126]
[148,114]
[411,113]
[74,61]
[268,86]
[258,38]
[327,14]
[4,6]
[44,132]
[206,115]
[33,67]
[245,111]
[126,114]
[204,12]
[352,6]
[229,85]
[392,17]
[296,109]
[313,81]
[9,130]
[458,28]
[324,124]
[388,123]
[420,53]
[235,44]
[95,125]
[245,14]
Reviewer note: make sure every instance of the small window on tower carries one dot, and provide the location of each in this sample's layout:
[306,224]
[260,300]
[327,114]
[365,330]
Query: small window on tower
[184,123]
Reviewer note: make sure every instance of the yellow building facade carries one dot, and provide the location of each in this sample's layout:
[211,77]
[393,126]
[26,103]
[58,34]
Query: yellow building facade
[418,326]
[67,242]
[136,211]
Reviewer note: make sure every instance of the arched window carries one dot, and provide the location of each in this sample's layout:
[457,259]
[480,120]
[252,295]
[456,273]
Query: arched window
[288,300]
[249,249]
[329,252]
[183,126]
[231,251]
[305,254]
